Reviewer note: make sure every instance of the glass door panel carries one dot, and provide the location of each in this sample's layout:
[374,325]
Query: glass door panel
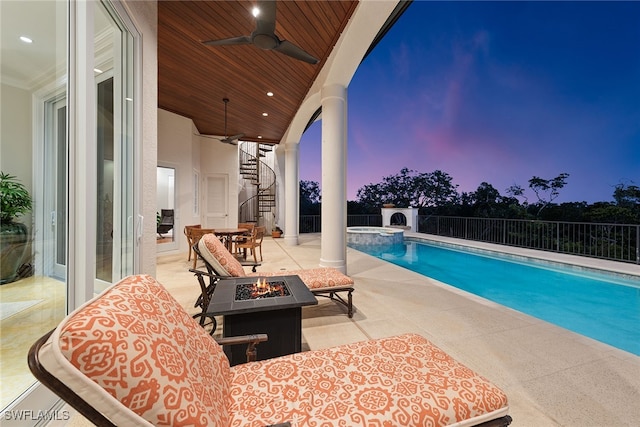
[54,197]
[105,191]
[61,190]
[34,149]
[115,237]
[44,144]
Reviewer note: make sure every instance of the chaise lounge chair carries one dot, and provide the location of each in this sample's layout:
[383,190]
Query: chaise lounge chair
[133,356]
[220,263]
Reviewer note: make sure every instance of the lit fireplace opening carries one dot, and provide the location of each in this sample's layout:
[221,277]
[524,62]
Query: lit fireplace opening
[261,289]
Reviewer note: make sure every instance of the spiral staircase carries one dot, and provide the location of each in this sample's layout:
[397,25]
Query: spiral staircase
[259,183]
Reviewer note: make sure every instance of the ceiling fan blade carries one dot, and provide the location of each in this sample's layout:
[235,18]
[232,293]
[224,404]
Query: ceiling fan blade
[208,137]
[229,42]
[234,137]
[266,20]
[290,49]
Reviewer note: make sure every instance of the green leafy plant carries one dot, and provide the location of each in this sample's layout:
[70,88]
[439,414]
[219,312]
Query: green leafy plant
[15,199]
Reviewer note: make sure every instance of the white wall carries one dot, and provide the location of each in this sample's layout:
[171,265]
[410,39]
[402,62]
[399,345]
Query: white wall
[219,158]
[180,147]
[15,135]
[175,149]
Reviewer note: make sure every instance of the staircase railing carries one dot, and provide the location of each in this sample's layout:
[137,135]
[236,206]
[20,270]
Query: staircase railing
[261,177]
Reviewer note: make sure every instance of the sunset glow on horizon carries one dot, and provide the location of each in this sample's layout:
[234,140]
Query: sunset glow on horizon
[498,92]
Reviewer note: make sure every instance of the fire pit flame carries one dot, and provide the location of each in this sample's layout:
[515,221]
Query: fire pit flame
[261,289]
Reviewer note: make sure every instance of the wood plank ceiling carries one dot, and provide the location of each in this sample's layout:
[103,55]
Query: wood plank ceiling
[193,78]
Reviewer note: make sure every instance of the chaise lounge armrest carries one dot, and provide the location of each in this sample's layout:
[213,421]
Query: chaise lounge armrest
[251,340]
[206,273]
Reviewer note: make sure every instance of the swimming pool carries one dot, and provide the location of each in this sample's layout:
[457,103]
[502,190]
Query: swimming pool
[598,305]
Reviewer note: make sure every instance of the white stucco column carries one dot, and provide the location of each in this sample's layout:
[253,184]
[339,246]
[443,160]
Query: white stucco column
[292,193]
[333,249]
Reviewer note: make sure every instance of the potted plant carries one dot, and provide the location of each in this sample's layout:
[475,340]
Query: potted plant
[15,248]
[276,232]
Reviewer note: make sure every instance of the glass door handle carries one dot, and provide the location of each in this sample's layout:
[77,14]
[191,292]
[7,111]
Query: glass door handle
[140,228]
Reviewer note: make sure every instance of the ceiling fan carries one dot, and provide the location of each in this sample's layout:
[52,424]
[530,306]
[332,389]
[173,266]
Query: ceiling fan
[233,140]
[264,36]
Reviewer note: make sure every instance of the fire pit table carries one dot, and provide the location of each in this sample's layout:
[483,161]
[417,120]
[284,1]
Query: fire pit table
[270,305]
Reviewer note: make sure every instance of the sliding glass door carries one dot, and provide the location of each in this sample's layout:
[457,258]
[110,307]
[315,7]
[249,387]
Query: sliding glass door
[54,183]
[115,236]
[68,84]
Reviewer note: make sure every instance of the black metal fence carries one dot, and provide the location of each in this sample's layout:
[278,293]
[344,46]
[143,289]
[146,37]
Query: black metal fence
[311,223]
[618,242]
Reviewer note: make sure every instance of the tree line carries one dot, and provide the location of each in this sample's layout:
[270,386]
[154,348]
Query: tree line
[434,193]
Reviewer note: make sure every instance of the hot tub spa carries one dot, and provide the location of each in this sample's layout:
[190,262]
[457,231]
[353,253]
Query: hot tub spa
[374,236]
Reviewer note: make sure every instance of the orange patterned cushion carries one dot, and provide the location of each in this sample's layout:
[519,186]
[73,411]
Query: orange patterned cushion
[225,264]
[397,381]
[220,259]
[136,342]
[315,278]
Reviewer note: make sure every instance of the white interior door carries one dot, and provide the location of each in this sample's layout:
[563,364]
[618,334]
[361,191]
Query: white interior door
[217,201]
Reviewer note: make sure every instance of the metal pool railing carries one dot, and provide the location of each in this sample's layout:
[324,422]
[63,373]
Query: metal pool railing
[618,242]
[312,223]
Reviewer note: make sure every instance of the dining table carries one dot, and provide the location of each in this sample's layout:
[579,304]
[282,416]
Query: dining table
[226,235]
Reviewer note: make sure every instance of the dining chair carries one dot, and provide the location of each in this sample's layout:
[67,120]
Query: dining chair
[190,241]
[244,237]
[253,242]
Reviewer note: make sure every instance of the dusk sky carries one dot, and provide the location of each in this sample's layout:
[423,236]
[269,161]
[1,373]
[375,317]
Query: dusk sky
[498,92]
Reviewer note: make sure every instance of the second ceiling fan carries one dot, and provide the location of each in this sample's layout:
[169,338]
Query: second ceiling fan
[233,140]
[264,36]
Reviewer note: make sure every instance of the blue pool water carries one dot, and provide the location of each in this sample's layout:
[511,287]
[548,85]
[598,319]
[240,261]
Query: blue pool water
[601,306]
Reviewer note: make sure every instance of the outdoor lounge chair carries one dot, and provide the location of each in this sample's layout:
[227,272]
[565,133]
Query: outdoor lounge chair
[220,263]
[133,356]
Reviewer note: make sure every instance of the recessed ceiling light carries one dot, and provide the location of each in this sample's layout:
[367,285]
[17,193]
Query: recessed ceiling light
[269,93]
[26,39]
[255,11]
[265,114]
[259,136]
[97,70]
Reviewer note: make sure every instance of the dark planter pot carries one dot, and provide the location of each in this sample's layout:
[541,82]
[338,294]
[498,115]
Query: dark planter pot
[15,252]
